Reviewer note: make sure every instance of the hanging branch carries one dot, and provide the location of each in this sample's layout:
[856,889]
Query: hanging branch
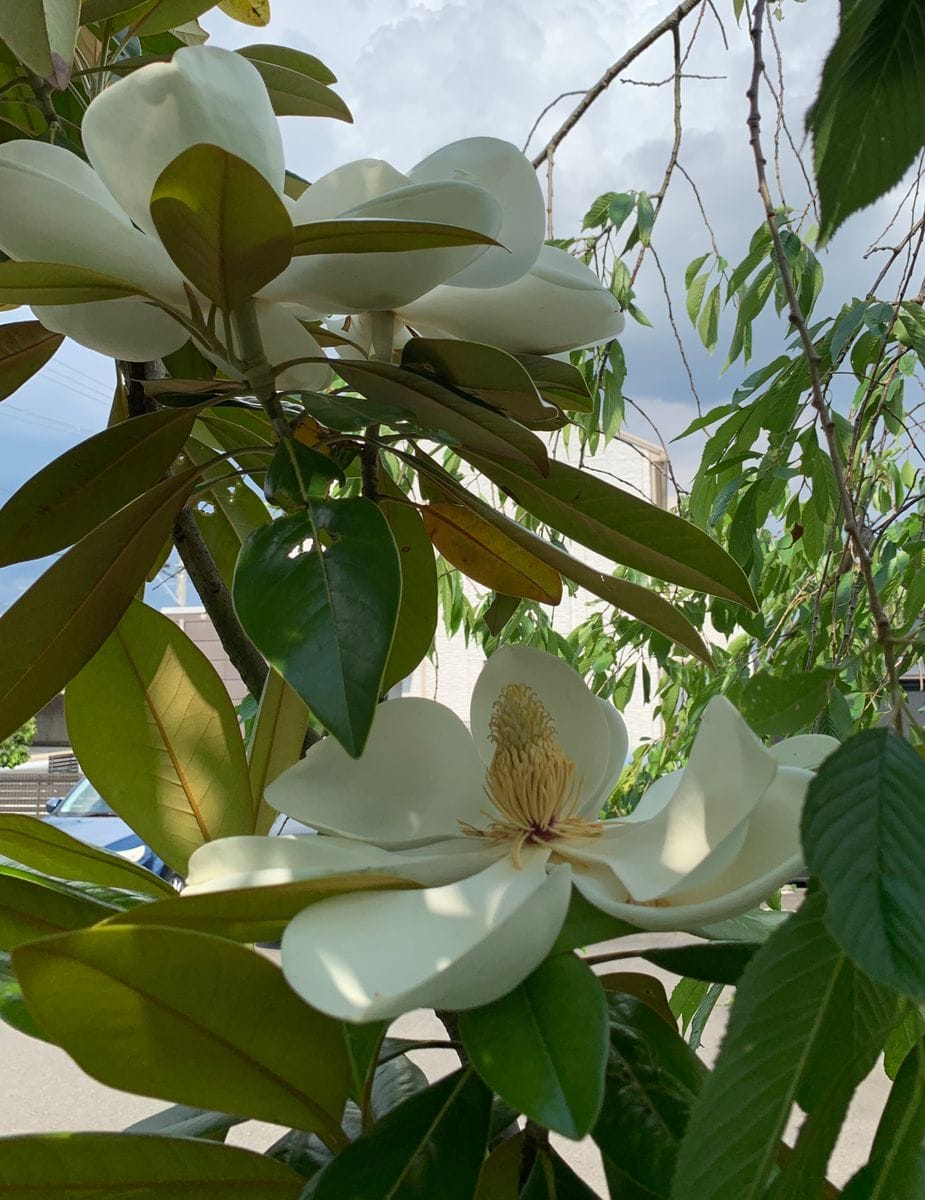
[853,527]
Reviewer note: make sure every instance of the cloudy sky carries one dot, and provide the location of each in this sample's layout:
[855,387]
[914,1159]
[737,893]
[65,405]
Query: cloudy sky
[419,73]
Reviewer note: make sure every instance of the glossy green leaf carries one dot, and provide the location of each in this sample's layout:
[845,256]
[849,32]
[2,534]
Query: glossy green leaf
[47,848]
[25,347]
[651,1081]
[120,1166]
[863,833]
[868,120]
[296,83]
[42,33]
[781,705]
[543,1047]
[318,592]
[716,962]
[553,1179]
[442,411]
[256,914]
[903,1036]
[275,743]
[150,17]
[499,1178]
[482,552]
[182,1120]
[499,612]
[222,224]
[622,527]
[239,431]
[55,283]
[202,1003]
[227,513]
[417,612]
[156,733]
[382,235]
[644,987]
[298,473]
[432,1145]
[88,483]
[31,907]
[585,925]
[558,382]
[799,989]
[67,614]
[896,1167]
[481,371]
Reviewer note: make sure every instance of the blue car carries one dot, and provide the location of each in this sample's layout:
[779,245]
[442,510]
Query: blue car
[85,815]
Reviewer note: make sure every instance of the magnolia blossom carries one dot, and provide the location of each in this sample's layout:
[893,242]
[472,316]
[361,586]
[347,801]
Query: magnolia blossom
[497,826]
[54,207]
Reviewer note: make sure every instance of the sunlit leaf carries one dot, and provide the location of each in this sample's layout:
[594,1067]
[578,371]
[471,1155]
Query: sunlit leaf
[25,347]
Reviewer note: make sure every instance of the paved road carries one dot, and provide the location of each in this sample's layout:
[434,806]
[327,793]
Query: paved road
[44,1090]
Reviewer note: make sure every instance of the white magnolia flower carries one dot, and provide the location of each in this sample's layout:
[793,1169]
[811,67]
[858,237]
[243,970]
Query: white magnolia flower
[498,826]
[54,207]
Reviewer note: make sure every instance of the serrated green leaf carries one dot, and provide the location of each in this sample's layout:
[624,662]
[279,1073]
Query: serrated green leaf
[863,832]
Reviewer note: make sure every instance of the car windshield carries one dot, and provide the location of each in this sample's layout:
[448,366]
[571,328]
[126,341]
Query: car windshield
[83,800]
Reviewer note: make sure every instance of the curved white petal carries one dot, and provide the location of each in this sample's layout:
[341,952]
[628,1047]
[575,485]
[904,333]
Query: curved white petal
[133,129]
[55,208]
[728,773]
[285,338]
[418,776]
[618,746]
[243,862]
[373,956]
[346,283]
[501,169]
[558,305]
[808,750]
[582,729]
[129,329]
[655,797]
[345,187]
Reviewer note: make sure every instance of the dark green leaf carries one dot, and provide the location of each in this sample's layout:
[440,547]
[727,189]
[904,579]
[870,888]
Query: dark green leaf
[203,1005]
[499,612]
[47,848]
[181,1120]
[120,1166]
[558,382]
[868,121]
[430,1146]
[297,474]
[156,733]
[25,347]
[42,33]
[652,1079]
[318,591]
[716,962]
[585,925]
[417,613]
[292,60]
[903,1036]
[382,235]
[645,217]
[222,224]
[622,526]
[296,83]
[64,618]
[864,836]
[553,1179]
[543,1046]
[88,483]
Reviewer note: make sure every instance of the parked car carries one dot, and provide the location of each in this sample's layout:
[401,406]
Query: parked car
[85,815]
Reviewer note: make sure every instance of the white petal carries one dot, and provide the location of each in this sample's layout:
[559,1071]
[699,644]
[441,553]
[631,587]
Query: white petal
[558,305]
[284,339]
[242,862]
[135,127]
[55,208]
[373,956]
[417,778]
[618,745]
[346,283]
[582,729]
[345,187]
[501,169]
[808,750]
[129,329]
[655,797]
[728,773]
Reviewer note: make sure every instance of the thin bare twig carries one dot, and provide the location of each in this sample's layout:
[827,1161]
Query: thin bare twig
[552,104]
[820,404]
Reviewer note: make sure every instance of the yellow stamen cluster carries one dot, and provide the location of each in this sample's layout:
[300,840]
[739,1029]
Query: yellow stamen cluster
[530,782]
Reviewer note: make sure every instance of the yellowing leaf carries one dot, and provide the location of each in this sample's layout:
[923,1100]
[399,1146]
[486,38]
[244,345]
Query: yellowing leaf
[489,556]
[248,12]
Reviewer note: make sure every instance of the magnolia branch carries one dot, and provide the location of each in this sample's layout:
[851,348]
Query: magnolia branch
[856,535]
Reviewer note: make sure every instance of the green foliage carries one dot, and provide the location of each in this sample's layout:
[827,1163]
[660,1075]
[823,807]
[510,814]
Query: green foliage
[542,1047]
[25,347]
[14,750]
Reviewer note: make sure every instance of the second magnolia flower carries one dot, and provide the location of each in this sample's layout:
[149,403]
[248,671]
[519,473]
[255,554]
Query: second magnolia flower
[496,826]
